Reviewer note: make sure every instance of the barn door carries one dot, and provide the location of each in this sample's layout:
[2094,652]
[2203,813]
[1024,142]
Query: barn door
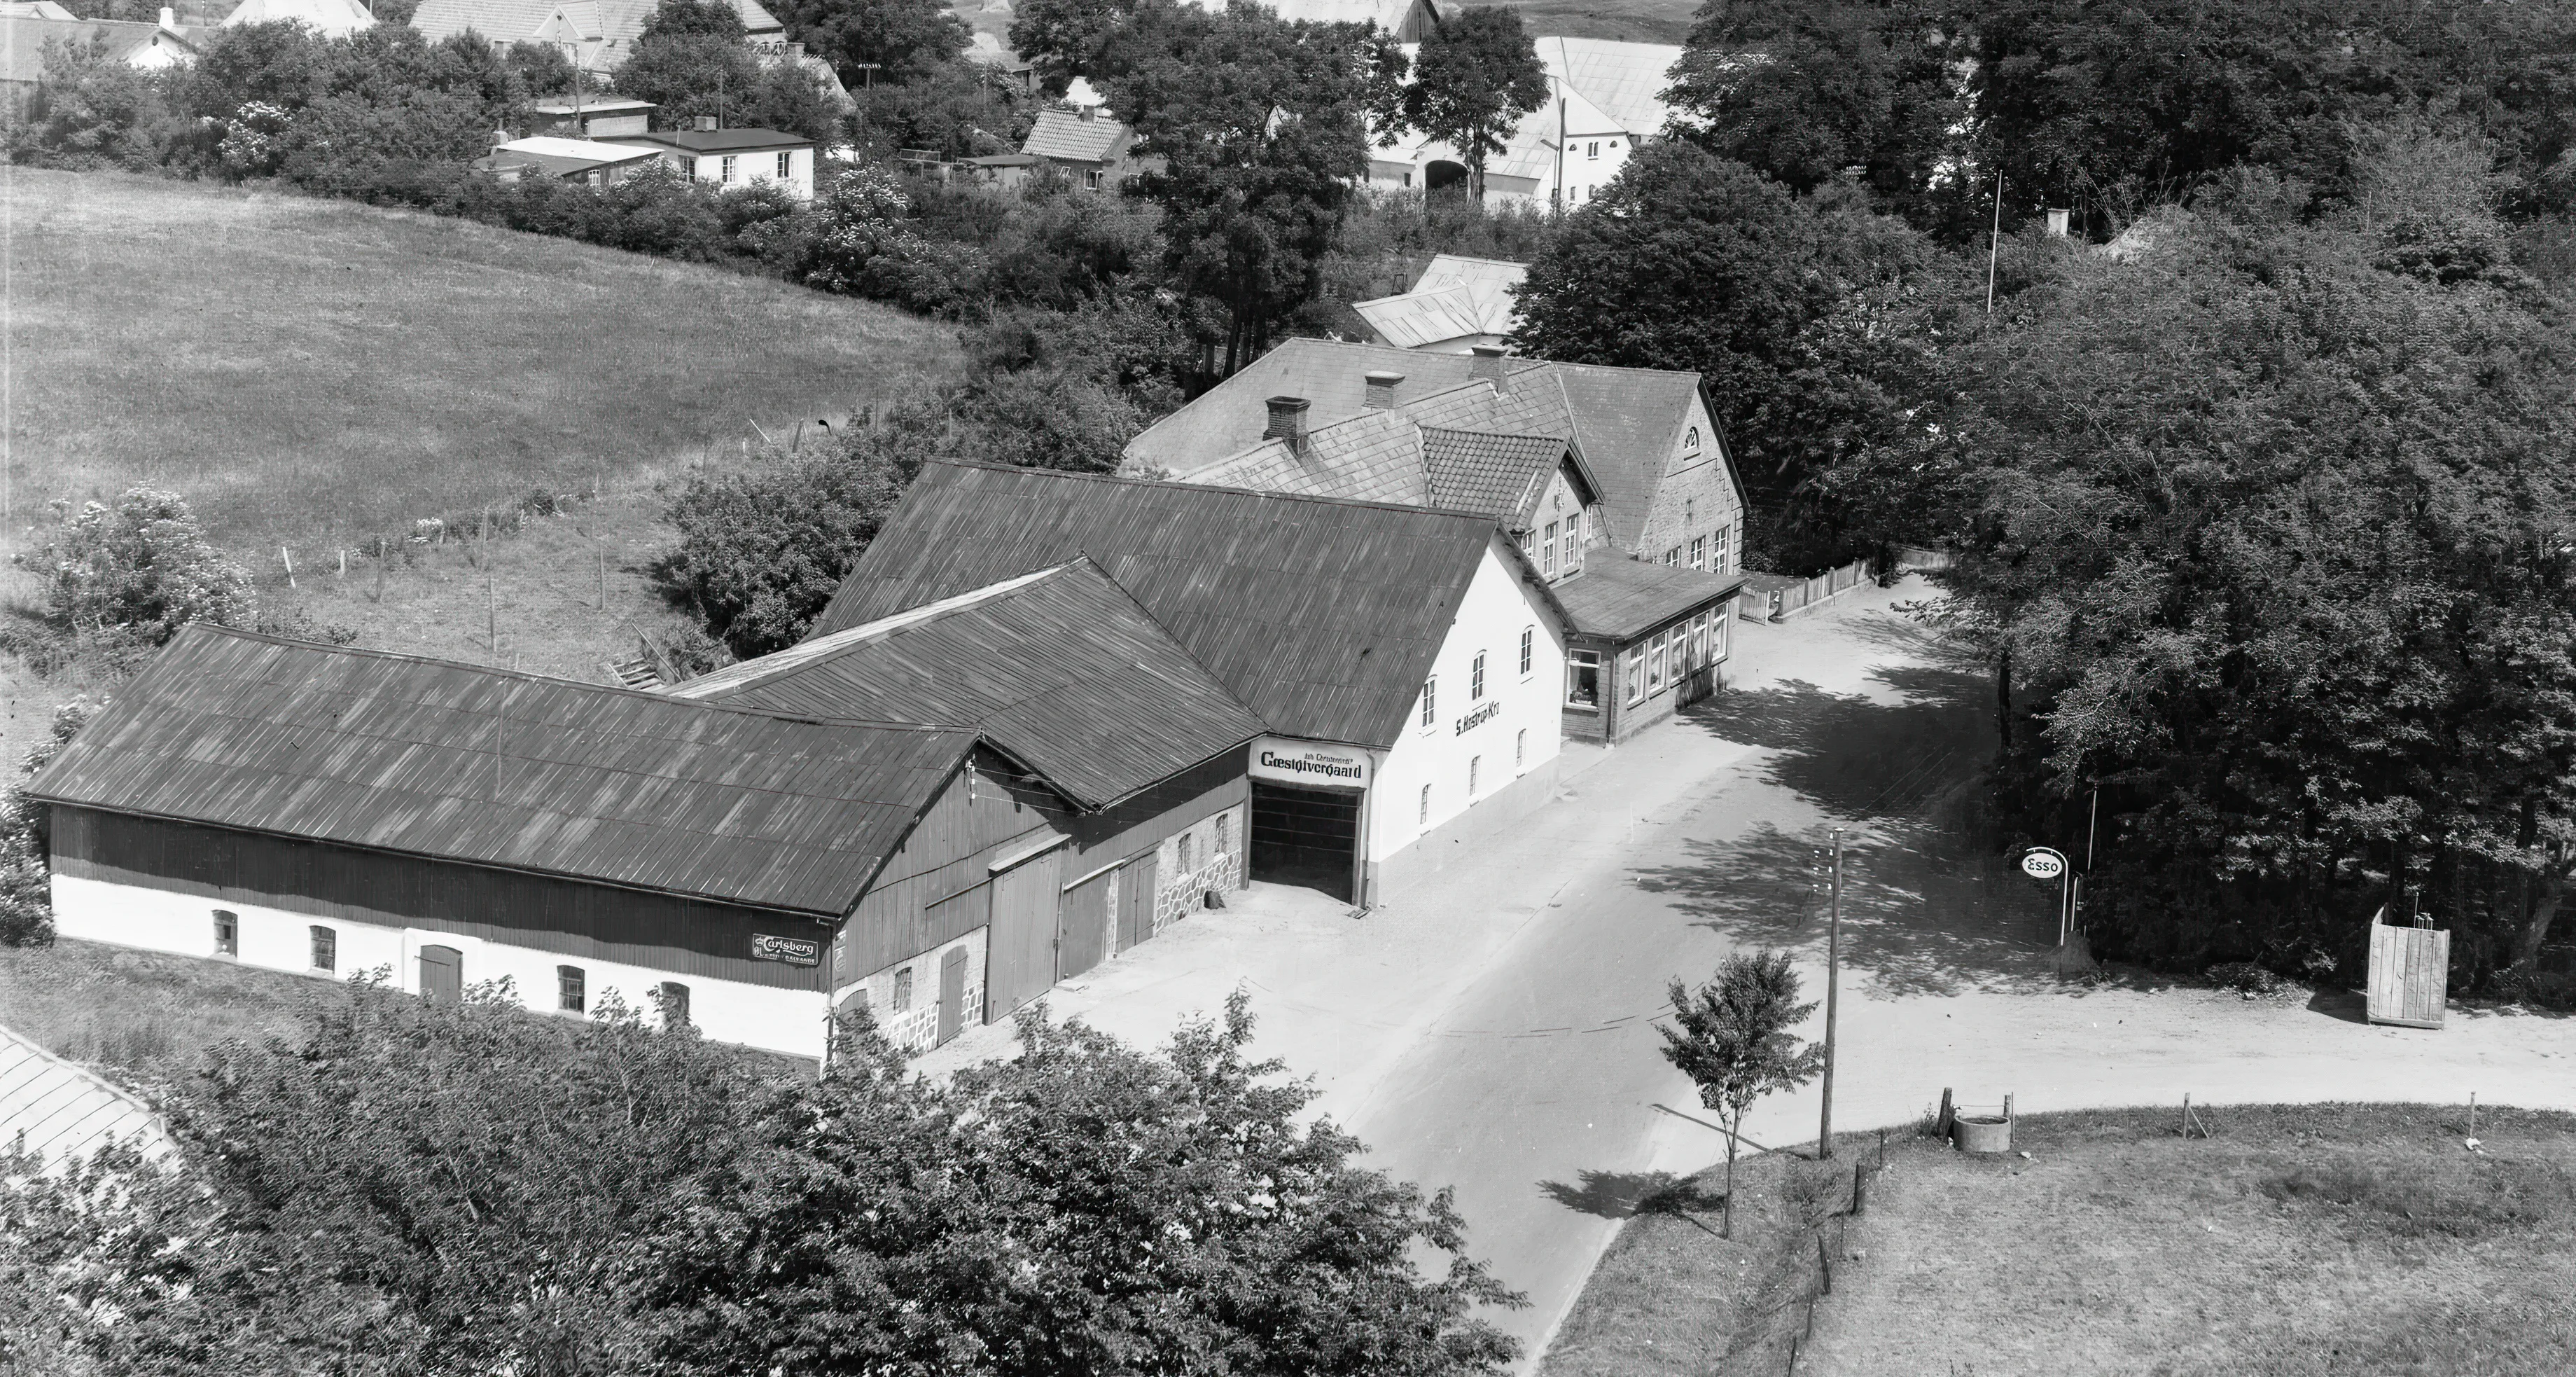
[952,993]
[1082,925]
[1136,901]
[442,974]
[1020,952]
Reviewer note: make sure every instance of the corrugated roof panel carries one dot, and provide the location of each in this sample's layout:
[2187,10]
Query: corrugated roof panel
[493,768]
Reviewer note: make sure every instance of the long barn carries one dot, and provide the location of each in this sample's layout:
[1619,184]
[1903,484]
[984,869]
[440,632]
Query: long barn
[330,811]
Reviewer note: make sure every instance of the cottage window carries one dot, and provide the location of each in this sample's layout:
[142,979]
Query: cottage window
[1092,178]
[326,949]
[1717,621]
[1636,674]
[1475,766]
[1725,537]
[227,933]
[1224,834]
[1547,551]
[572,989]
[1476,678]
[729,168]
[1699,640]
[674,999]
[1182,850]
[786,166]
[1699,552]
[1422,815]
[1430,700]
[1583,679]
[1529,639]
[903,989]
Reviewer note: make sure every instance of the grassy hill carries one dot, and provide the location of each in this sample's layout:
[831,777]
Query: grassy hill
[310,372]
[1631,21]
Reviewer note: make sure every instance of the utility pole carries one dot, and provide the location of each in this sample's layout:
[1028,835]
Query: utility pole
[1995,243]
[1833,985]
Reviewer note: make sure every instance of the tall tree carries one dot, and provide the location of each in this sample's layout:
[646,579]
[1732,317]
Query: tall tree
[1732,1038]
[907,40]
[690,60]
[1064,39]
[1474,78]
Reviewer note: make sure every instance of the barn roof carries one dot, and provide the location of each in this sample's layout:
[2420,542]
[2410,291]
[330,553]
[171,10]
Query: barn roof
[1061,668]
[1322,616]
[490,767]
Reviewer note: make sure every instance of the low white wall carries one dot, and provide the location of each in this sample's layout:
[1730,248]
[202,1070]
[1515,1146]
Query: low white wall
[763,1016]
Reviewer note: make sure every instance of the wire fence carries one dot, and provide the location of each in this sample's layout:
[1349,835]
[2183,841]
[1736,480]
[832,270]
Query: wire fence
[1821,1245]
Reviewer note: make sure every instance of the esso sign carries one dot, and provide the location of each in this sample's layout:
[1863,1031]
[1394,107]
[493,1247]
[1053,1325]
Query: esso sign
[2042,865]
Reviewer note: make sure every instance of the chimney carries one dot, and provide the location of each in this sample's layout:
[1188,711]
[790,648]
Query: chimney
[1083,113]
[1488,366]
[2057,223]
[1381,390]
[795,52]
[1288,422]
[499,137]
[706,124]
[169,19]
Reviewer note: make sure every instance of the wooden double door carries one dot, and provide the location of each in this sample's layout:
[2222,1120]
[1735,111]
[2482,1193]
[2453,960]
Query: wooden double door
[1043,931]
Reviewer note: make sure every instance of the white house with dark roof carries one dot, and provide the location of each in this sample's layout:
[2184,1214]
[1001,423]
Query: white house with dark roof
[1457,304]
[27,29]
[1604,99]
[731,159]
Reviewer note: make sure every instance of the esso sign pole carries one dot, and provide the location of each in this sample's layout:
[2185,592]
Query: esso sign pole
[2049,863]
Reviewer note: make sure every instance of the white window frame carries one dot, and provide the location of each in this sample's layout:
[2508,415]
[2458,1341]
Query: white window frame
[1547,551]
[787,166]
[1430,701]
[1635,664]
[1475,768]
[568,998]
[1575,662]
[1698,551]
[1529,650]
[726,167]
[1476,679]
[1659,661]
[1422,818]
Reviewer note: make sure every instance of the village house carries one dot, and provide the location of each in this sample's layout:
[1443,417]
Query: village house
[331,812]
[597,36]
[1605,98]
[29,27]
[1093,148]
[1410,21]
[733,158]
[329,18]
[1456,305]
[1403,661]
[594,117]
[1644,637]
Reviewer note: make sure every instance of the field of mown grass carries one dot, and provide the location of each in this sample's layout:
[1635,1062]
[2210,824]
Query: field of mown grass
[2309,1239]
[1632,21]
[310,372]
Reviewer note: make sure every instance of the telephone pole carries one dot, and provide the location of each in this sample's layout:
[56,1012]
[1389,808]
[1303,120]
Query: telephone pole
[1833,985]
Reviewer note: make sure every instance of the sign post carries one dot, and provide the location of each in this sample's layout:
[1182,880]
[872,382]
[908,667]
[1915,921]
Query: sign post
[2048,863]
[1833,985]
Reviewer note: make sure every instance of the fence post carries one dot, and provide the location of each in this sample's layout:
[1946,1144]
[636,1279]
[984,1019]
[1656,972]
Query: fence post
[1825,1262]
[1942,1127]
[1859,1180]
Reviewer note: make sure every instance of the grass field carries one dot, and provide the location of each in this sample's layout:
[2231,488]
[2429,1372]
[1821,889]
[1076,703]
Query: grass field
[309,372]
[2320,1239]
[1634,21]
[142,1013]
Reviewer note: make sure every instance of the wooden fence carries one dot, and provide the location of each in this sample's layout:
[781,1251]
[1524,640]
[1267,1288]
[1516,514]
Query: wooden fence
[1794,598]
[1822,1247]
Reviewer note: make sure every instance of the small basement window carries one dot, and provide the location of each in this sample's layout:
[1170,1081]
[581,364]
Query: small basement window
[326,949]
[227,933]
[572,989]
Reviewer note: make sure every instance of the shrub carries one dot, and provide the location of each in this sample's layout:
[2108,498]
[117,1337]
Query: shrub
[763,549]
[2246,977]
[26,879]
[143,564]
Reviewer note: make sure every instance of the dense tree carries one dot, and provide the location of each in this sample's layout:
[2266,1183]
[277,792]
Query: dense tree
[144,564]
[959,110]
[1806,93]
[907,40]
[1474,78]
[1260,124]
[1732,1036]
[1811,319]
[2268,528]
[1064,39]
[690,60]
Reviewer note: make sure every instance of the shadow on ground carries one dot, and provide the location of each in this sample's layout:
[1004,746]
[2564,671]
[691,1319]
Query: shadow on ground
[1627,1194]
[1855,755]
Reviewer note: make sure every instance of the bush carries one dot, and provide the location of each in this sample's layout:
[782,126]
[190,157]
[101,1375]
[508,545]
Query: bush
[26,878]
[143,565]
[2246,977]
[763,549]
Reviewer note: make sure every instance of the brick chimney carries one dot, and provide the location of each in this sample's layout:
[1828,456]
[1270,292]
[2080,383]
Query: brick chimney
[1488,366]
[1381,390]
[1288,422]
[1083,113]
[706,124]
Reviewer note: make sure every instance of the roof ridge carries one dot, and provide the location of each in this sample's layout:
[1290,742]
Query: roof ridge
[1402,508]
[530,676]
[833,645]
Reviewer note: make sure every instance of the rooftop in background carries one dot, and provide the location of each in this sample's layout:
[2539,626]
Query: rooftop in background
[718,140]
[1321,616]
[331,18]
[1088,136]
[571,155]
[602,31]
[1455,298]
[605,105]
[1409,20]
[1386,456]
[1621,599]
[1061,669]
[1625,80]
[1626,421]
[23,37]
[489,767]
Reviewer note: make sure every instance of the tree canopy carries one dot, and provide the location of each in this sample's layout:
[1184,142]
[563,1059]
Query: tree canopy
[1473,79]
[909,40]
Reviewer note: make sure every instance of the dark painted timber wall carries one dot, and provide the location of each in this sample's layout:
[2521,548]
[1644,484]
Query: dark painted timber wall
[658,931]
[953,848]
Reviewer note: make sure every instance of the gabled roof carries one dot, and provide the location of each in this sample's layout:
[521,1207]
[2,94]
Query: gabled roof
[1626,80]
[1323,617]
[1065,136]
[1061,669]
[1626,422]
[1385,456]
[517,771]
[1456,296]
[576,152]
[1480,471]
[1621,599]
[332,18]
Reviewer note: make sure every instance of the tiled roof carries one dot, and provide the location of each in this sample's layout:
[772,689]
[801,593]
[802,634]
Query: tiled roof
[1478,471]
[1230,417]
[1622,599]
[1398,17]
[66,1110]
[1321,616]
[1061,669]
[516,771]
[1066,136]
